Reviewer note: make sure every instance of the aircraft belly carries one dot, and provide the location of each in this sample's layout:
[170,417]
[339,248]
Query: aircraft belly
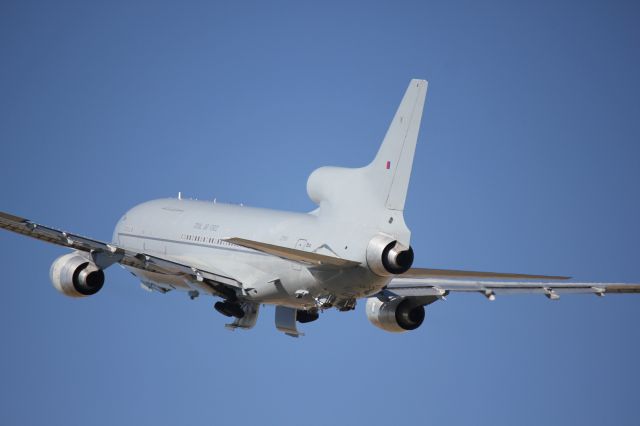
[308,287]
[274,281]
[168,282]
[353,283]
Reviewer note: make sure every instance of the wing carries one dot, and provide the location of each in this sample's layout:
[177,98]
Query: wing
[453,273]
[104,254]
[433,287]
[294,254]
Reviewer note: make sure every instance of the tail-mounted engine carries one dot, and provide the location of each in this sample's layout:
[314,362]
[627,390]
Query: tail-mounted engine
[75,276]
[386,256]
[396,315]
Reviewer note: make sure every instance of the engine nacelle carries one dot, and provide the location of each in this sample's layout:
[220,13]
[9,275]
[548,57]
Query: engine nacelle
[396,315]
[386,256]
[75,276]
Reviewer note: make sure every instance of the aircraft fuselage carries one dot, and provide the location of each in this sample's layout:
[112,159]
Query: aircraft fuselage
[195,231]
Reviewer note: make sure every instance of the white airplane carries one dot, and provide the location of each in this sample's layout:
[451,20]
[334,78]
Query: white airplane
[354,245]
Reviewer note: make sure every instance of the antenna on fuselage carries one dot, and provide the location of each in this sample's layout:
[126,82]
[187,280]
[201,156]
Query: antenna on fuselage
[179,195]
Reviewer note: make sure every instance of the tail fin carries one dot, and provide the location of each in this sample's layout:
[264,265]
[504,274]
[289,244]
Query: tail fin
[370,193]
[391,169]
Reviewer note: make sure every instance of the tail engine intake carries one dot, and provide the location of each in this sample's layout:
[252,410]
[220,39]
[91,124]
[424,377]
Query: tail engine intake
[386,256]
[75,276]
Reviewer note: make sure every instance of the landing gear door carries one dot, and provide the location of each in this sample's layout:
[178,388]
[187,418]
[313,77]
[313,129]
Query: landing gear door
[286,321]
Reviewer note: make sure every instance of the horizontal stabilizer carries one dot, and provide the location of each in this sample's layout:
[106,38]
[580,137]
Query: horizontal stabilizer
[452,273]
[294,254]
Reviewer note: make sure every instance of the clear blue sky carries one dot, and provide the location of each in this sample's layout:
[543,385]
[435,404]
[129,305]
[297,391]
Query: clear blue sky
[527,162]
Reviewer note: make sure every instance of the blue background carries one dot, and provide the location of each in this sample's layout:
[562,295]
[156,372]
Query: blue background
[527,162]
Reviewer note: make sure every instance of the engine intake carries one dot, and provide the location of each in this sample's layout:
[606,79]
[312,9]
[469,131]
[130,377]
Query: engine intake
[396,315]
[386,256]
[75,276]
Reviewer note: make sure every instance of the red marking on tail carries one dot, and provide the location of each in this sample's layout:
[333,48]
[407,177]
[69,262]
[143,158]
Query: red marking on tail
[388,165]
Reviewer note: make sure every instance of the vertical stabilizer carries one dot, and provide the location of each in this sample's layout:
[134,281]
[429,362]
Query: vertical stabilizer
[391,169]
[375,195]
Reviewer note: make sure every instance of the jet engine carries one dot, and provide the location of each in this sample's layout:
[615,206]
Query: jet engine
[386,256]
[75,276]
[396,315]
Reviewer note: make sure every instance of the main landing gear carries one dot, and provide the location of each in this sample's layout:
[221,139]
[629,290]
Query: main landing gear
[306,316]
[229,309]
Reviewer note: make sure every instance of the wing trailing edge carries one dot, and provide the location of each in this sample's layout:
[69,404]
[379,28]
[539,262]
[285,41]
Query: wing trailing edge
[454,273]
[438,287]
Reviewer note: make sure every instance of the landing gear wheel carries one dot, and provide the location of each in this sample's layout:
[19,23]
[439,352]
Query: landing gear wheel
[229,309]
[306,316]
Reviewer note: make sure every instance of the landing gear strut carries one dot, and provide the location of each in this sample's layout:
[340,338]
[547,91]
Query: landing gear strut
[229,309]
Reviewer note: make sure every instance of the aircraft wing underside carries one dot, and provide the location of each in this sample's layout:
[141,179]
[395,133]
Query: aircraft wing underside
[105,254]
[434,287]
